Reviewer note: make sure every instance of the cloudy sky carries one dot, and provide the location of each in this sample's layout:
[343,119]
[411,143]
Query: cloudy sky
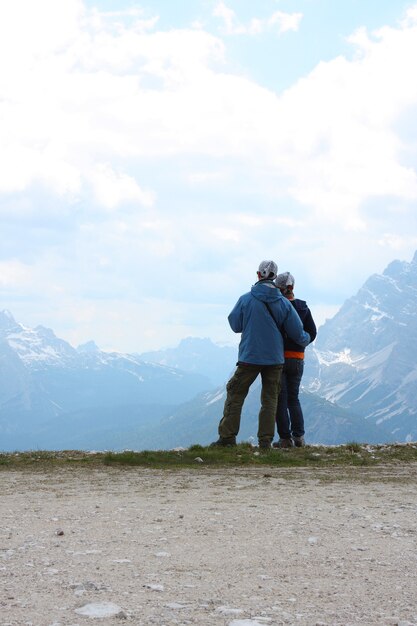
[153,153]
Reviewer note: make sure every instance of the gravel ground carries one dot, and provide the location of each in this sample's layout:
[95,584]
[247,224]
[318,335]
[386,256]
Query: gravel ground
[223,547]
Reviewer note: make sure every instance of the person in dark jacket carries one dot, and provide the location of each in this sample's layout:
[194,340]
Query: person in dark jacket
[259,315]
[289,415]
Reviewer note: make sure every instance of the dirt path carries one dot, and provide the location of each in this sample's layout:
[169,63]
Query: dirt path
[210,547]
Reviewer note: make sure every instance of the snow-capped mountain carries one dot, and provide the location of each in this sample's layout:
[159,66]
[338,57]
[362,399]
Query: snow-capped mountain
[49,387]
[364,358]
[36,348]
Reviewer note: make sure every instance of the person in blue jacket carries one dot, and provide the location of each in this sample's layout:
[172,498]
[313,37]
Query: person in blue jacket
[289,417]
[261,316]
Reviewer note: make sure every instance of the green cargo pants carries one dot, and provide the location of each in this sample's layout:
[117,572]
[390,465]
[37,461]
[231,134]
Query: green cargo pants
[237,390]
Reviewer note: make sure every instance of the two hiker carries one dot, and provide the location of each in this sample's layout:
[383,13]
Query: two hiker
[263,316]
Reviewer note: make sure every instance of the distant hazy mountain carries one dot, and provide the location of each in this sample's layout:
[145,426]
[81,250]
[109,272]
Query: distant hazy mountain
[364,358]
[197,355]
[52,393]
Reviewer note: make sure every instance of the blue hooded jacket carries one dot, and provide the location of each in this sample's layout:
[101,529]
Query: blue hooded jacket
[261,342]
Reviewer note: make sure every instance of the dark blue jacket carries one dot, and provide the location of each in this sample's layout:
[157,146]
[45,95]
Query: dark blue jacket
[308,324]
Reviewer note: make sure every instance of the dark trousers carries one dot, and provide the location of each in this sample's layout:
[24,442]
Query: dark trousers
[237,390]
[290,419]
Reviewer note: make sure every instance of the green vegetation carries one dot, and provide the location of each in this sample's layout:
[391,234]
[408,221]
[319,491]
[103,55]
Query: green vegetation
[44,458]
[199,457]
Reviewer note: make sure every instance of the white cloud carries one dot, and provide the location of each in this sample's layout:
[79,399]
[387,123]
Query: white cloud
[14,274]
[330,137]
[410,18]
[198,178]
[229,18]
[250,220]
[76,96]
[112,188]
[30,31]
[396,242]
[279,21]
[284,21]
[226,234]
[340,138]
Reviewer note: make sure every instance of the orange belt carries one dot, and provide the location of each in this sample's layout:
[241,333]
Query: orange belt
[289,354]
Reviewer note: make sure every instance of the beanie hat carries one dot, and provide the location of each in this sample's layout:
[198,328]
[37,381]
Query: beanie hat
[268,269]
[284,280]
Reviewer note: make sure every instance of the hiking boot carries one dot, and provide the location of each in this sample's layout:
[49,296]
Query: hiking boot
[283,443]
[299,442]
[264,445]
[223,443]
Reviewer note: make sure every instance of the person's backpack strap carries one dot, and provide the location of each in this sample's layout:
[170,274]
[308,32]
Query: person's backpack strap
[273,317]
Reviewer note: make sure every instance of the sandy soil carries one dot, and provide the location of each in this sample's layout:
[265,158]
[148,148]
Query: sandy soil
[239,547]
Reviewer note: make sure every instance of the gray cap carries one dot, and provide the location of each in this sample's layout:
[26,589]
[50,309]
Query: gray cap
[266,268]
[283,280]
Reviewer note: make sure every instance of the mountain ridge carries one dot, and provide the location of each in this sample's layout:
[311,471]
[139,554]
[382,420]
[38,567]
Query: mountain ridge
[364,357]
[44,382]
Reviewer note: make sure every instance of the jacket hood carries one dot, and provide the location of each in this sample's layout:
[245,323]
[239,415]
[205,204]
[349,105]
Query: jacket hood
[266,291]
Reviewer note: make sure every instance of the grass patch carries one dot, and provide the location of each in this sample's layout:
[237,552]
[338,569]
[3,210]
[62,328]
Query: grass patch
[351,454]
[199,457]
[243,455]
[353,446]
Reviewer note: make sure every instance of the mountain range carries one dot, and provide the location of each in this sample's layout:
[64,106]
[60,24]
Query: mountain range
[364,358]
[52,394]
[360,382]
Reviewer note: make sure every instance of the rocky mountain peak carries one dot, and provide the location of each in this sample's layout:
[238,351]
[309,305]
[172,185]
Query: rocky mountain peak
[364,357]
[7,321]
